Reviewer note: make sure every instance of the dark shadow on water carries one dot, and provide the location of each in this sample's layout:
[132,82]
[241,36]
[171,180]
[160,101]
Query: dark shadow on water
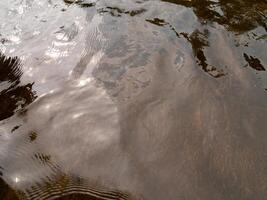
[113,11]
[33,136]
[10,69]
[117,12]
[15,128]
[61,188]
[162,22]
[6,193]
[237,15]
[254,62]
[80,3]
[13,96]
[157,21]
[199,41]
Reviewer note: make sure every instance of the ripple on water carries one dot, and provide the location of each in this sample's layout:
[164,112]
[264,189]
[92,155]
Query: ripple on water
[59,137]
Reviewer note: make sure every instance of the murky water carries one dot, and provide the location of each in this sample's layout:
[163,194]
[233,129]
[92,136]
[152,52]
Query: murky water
[124,99]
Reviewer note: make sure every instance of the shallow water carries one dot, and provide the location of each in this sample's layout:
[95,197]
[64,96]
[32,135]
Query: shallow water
[133,99]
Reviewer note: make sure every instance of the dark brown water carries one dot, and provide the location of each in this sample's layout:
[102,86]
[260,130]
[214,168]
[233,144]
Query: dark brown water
[124,99]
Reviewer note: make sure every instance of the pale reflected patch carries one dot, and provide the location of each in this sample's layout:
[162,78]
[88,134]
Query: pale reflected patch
[96,58]
[62,36]
[82,82]
[11,50]
[47,106]
[46,93]
[75,116]
[36,33]
[3,134]
[20,10]
[2,48]
[29,72]
[55,53]
[60,44]
[42,95]
[15,39]
[93,63]
[80,122]
[51,91]
[17,179]
[104,137]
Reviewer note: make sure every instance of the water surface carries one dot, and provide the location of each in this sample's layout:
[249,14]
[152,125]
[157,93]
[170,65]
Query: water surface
[129,99]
